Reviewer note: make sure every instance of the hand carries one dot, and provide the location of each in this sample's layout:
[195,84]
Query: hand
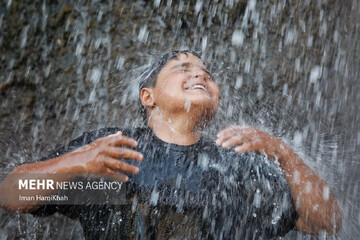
[102,157]
[249,139]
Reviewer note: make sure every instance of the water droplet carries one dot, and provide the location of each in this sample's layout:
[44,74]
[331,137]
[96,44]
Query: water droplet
[237,38]
[315,74]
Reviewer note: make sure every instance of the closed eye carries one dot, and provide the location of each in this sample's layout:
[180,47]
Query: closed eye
[209,77]
[208,74]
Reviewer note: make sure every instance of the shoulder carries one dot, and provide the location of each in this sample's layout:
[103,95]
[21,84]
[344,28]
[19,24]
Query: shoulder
[136,133]
[90,136]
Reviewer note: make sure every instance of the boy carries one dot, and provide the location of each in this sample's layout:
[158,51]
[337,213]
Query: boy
[184,186]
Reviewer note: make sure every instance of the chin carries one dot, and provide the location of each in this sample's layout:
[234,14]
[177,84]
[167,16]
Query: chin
[206,109]
[201,100]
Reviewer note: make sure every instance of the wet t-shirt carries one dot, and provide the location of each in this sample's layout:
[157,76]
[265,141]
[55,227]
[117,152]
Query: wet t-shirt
[188,192]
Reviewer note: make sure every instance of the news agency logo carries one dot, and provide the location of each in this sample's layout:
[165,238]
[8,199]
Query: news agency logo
[36,184]
[49,184]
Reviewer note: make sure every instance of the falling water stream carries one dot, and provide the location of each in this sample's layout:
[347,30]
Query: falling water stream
[288,67]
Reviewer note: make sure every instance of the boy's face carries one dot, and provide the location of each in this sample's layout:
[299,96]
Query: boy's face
[185,84]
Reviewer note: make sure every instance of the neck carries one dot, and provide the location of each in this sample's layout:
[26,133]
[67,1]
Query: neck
[180,129]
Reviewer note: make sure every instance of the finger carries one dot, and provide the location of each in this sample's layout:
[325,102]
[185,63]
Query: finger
[116,176]
[108,173]
[247,147]
[231,132]
[225,135]
[117,152]
[110,138]
[224,131]
[120,140]
[118,133]
[231,129]
[233,141]
[118,165]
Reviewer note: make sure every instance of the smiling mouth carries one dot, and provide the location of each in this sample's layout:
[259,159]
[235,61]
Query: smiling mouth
[198,86]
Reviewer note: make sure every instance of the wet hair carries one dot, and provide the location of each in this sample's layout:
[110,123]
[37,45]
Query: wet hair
[148,78]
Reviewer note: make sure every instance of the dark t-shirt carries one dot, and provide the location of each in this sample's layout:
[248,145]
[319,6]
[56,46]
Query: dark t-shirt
[188,192]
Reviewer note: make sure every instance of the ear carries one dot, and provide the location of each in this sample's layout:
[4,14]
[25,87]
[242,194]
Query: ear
[147,97]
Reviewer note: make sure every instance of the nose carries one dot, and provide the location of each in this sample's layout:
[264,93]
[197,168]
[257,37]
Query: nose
[200,73]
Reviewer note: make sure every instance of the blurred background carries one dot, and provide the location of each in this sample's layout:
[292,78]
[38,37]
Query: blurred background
[290,68]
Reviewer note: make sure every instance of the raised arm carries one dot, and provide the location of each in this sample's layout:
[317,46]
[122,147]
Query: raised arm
[98,157]
[315,203]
